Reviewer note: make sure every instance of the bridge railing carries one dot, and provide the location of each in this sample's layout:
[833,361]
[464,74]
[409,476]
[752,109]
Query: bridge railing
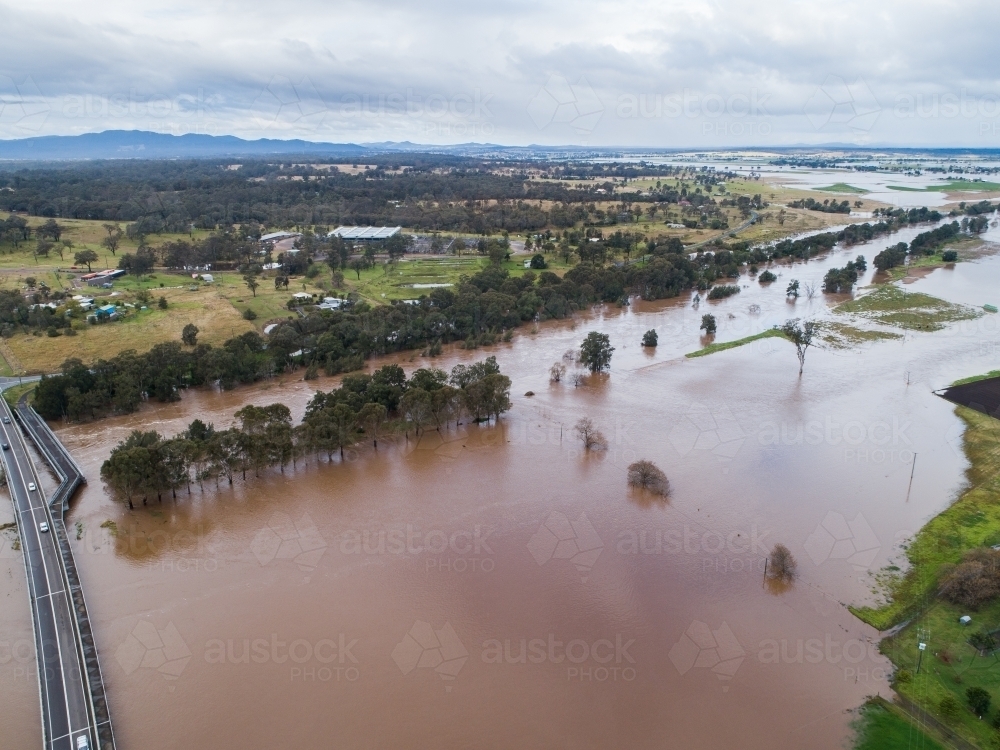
[70,478]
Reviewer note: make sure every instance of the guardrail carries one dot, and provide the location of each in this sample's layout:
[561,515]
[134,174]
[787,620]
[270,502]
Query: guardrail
[70,478]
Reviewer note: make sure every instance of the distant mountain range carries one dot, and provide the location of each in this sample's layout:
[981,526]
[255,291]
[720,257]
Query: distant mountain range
[140,144]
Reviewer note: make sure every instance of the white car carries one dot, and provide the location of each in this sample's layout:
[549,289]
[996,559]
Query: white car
[82,743]
[31,487]
[43,526]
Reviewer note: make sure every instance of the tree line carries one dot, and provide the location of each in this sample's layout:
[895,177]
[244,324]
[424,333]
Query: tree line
[925,243]
[433,192]
[478,311]
[365,407]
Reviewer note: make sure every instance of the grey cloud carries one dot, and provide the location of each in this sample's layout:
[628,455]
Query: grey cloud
[346,68]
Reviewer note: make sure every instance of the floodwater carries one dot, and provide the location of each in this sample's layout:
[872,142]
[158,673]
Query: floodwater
[496,587]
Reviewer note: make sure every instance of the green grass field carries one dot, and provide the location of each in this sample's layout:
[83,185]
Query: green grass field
[843,187]
[950,666]
[713,348]
[953,186]
[893,306]
[881,726]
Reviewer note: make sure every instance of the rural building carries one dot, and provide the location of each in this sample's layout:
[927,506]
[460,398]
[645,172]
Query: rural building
[99,278]
[278,236]
[365,234]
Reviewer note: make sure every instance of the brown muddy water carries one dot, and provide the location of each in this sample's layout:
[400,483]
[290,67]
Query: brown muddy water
[494,587]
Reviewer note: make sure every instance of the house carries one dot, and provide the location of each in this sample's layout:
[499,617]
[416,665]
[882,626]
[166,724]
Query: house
[105,312]
[330,303]
[302,297]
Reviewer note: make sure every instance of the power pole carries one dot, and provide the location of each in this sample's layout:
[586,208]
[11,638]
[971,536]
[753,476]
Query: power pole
[912,469]
[923,635]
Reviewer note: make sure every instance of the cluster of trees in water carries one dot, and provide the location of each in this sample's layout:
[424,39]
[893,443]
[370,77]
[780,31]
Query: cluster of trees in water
[928,243]
[827,206]
[364,407]
[842,280]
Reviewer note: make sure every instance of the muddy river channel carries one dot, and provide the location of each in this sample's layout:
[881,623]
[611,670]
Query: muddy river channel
[496,587]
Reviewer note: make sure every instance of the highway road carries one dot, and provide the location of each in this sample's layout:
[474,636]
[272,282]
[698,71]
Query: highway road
[66,711]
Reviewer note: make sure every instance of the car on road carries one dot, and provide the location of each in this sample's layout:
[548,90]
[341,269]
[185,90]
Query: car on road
[43,526]
[31,487]
[82,743]
[6,420]
[6,447]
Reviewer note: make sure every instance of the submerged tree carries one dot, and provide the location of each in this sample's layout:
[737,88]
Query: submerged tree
[708,325]
[648,476]
[781,565]
[801,336]
[595,352]
[593,439]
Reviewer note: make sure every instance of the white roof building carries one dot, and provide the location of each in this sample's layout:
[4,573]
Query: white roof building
[365,233]
[275,236]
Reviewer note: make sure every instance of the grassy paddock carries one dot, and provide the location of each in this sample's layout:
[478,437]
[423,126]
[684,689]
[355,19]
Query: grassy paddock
[952,186]
[843,187]
[883,726]
[839,335]
[890,305]
[713,348]
[950,666]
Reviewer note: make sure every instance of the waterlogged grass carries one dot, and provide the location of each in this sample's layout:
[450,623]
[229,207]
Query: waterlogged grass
[964,185]
[949,667]
[977,378]
[882,726]
[890,305]
[838,335]
[713,348]
[952,186]
[972,521]
[843,187]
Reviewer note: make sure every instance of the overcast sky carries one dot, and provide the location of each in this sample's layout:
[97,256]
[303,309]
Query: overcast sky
[697,73]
